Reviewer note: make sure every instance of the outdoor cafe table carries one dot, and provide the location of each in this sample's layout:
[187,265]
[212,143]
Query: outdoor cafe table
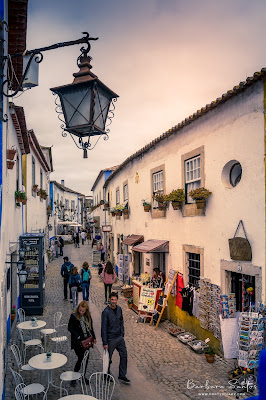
[28,326]
[78,397]
[40,362]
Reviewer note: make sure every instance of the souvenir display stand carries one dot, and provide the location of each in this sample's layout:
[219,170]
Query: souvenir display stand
[209,307]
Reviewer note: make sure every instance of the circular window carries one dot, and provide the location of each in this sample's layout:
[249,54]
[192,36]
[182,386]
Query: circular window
[235,174]
[231,174]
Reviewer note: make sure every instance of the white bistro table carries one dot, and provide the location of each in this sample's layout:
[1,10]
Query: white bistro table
[28,326]
[78,397]
[40,362]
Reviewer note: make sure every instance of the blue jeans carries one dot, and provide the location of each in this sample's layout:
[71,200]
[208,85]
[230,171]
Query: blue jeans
[85,290]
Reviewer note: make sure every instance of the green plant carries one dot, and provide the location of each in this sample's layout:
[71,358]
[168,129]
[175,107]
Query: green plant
[21,195]
[176,195]
[129,300]
[209,350]
[13,310]
[159,197]
[145,203]
[200,193]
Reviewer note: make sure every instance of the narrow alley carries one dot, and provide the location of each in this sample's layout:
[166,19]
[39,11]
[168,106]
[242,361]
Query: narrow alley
[159,366]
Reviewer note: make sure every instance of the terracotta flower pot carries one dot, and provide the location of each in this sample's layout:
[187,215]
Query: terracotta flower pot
[24,202]
[129,305]
[10,154]
[19,200]
[161,206]
[210,358]
[10,164]
[34,188]
[118,213]
[177,205]
[200,204]
[147,207]
[13,316]
[38,193]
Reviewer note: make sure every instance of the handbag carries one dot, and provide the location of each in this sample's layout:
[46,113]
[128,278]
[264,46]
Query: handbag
[79,288]
[87,343]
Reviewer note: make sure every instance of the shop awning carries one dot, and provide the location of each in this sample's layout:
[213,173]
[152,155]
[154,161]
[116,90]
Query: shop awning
[153,246]
[132,239]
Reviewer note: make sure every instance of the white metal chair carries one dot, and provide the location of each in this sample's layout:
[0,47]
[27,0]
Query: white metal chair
[28,343]
[68,376]
[28,390]
[50,331]
[16,352]
[102,385]
[58,338]
[21,315]
[19,392]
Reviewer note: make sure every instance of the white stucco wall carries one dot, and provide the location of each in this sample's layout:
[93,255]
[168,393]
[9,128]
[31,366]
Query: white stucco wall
[232,131]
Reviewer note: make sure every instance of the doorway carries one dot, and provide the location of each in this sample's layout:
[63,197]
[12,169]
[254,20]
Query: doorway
[239,285]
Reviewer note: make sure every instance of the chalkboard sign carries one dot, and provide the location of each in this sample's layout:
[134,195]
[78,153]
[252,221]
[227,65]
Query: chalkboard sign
[96,257]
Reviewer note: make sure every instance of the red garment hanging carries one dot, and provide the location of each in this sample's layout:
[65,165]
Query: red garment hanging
[179,287]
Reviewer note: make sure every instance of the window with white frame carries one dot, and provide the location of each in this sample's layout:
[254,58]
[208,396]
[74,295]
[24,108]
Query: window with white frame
[117,196]
[193,269]
[72,205]
[33,171]
[157,185]
[192,176]
[125,192]
[41,179]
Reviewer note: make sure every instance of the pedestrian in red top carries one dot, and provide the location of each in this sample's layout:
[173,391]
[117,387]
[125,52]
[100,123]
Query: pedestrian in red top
[108,277]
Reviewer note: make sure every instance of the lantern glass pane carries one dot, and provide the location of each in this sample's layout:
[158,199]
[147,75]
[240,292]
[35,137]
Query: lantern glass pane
[76,103]
[102,102]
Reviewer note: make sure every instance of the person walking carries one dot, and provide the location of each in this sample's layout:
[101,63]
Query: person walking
[65,273]
[77,239]
[56,246]
[88,236]
[74,283]
[80,326]
[108,276]
[61,245]
[85,275]
[83,237]
[102,252]
[112,332]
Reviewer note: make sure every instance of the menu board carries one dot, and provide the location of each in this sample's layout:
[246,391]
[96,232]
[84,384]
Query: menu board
[147,299]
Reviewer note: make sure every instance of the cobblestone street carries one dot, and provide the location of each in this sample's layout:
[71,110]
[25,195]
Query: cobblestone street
[159,366]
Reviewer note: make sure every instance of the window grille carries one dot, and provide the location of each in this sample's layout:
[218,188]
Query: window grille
[193,268]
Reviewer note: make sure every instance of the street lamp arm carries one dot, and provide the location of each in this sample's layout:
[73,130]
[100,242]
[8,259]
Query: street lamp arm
[85,39]
[37,53]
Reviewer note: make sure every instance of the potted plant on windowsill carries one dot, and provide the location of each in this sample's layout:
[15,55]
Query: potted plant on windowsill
[20,196]
[125,211]
[146,205]
[200,196]
[10,164]
[209,354]
[13,313]
[112,211]
[118,210]
[44,195]
[160,198]
[10,154]
[34,188]
[177,197]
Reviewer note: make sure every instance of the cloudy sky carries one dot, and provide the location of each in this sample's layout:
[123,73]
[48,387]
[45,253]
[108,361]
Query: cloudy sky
[165,59]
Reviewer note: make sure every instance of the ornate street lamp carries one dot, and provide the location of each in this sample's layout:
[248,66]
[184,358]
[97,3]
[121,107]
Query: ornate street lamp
[85,104]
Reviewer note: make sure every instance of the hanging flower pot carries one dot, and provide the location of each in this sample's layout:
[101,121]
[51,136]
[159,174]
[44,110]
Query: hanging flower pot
[106,205]
[126,213]
[147,207]
[10,164]
[10,154]
[34,188]
[118,213]
[24,202]
[38,193]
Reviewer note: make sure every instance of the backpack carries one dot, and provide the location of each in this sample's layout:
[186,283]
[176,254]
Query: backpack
[85,275]
[67,270]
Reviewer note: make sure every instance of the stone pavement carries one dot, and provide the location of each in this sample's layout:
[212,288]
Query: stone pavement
[159,366]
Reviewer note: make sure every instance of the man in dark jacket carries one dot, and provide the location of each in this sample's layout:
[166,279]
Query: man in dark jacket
[112,332]
[61,245]
[65,273]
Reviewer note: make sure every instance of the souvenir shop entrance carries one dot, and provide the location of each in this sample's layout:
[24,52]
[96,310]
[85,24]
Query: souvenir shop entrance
[244,288]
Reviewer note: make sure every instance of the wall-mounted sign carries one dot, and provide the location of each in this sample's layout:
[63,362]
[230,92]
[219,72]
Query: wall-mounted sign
[107,228]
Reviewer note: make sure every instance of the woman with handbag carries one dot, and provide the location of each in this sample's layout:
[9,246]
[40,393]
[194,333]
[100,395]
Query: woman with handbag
[75,285]
[82,333]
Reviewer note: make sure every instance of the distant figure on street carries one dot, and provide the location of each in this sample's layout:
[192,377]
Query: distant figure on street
[56,246]
[85,275]
[74,283]
[65,273]
[80,326]
[102,252]
[88,236]
[112,332]
[77,239]
[61,245]
[83,237]
[100,269]
[108,276]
